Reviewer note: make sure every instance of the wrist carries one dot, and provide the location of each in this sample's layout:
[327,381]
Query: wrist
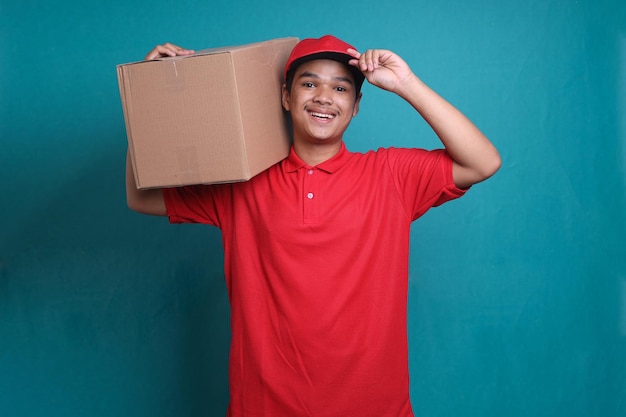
[410,88]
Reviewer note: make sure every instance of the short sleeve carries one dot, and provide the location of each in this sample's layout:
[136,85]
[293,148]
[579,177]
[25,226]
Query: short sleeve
[423,178]
[195,204]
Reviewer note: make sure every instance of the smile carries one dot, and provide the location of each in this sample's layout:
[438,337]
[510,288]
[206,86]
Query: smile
[322,115]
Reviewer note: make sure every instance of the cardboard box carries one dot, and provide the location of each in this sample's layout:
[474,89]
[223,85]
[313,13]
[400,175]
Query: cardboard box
[212,117]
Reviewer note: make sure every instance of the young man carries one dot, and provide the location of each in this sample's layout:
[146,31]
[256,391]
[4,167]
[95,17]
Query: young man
[317,246]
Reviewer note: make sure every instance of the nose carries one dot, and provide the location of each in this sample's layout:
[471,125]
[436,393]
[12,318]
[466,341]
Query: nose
[323,95]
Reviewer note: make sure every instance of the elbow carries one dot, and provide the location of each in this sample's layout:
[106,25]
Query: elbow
[490,164]
[484,164]
[480,172]
[146,202]
[134,204]
[493,165]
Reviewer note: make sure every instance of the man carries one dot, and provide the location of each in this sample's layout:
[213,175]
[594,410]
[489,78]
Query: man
[317,246]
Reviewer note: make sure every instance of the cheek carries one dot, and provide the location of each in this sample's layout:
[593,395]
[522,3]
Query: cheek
[292,100]
[350,107]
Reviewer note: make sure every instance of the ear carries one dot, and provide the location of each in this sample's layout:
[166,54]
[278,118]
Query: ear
[285,97]
[355,109]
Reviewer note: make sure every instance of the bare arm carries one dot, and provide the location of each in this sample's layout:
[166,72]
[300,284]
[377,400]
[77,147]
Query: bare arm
[142,201]
[149,201]
[475,157]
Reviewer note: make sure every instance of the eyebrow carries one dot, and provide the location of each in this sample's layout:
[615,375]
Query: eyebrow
[308,74]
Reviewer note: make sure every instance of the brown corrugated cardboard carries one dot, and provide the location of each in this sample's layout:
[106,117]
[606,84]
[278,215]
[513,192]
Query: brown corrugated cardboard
[212,117]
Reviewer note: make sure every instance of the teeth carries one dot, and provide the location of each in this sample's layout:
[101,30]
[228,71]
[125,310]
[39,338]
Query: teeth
[322,115]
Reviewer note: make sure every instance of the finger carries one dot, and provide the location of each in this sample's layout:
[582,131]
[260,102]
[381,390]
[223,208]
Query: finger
[152,54]
[171,46]
[368,60]
[354,53]
[355,61]
[170,49]
[167,49]
[177,49]
[160,51]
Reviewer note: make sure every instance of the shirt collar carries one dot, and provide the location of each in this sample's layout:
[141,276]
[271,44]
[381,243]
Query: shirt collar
[330,166]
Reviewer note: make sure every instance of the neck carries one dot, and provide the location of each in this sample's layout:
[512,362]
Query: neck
[314,154]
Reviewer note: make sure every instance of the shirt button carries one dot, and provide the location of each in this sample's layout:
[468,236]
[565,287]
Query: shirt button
[310,172]
[309,196]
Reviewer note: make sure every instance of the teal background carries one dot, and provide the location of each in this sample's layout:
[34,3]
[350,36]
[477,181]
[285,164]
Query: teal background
[517,301]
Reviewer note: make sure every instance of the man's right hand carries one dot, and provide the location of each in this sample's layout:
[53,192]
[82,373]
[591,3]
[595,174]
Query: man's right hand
[167,49]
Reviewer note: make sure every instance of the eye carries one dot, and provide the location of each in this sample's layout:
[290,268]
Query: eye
[341,89]
[308,84]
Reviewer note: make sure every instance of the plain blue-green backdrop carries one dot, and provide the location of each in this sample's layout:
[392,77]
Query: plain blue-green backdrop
[517,302]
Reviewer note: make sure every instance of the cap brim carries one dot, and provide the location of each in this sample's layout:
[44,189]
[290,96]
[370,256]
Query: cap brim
[333,56]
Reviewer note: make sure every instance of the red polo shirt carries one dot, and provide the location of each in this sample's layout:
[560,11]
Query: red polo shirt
[316,264]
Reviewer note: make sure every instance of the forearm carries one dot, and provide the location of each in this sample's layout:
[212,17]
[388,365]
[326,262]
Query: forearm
[475,155]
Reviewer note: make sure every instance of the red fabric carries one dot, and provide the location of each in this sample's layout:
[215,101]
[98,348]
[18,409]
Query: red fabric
[312,46]
[316,264]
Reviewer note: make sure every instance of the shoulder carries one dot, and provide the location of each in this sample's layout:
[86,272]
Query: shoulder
[408,155]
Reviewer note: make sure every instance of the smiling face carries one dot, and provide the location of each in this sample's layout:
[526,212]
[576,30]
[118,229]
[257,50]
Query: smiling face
[322,101]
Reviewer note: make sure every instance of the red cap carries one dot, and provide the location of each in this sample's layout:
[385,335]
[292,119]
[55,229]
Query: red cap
[326,47]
